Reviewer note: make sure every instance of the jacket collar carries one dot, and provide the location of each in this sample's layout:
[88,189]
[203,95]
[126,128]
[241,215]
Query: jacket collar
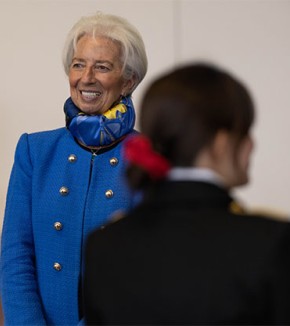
[189,194]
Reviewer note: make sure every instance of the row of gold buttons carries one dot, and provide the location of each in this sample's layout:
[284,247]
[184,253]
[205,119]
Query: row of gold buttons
[73,158]
[64,191]
[58,227]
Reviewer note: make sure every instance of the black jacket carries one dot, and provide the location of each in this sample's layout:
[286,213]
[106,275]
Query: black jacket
[189,255]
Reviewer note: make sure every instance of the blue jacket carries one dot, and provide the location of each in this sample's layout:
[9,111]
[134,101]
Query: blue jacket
[58,193]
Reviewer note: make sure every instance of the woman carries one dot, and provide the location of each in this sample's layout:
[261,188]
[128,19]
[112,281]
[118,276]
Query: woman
[189,254]
[68,181]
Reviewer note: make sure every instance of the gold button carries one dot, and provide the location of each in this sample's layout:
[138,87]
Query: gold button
[72,158]
[57,266]
[64,191]
[109,193]
[57,226]
[114,161]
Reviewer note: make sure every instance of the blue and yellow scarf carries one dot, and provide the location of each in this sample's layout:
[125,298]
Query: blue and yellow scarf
[100,130]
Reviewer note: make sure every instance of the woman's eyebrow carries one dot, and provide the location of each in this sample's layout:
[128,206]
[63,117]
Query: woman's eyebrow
[97,61]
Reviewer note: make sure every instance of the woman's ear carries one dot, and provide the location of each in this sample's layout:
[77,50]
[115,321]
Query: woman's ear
[213,155]
[222,155]
[222,145]
[128,85]
[245,152]
[233,158]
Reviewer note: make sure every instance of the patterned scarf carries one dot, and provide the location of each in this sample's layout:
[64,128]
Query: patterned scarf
[100,130]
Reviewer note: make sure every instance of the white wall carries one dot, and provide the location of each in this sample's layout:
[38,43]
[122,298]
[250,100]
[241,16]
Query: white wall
[249,37]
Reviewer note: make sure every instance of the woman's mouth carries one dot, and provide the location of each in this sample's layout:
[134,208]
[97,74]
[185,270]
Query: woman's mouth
[90,95]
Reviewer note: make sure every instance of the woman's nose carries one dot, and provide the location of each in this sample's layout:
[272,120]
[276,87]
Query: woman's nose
[89,75]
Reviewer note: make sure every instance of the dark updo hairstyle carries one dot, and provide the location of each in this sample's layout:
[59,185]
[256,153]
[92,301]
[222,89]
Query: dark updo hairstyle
[182,111]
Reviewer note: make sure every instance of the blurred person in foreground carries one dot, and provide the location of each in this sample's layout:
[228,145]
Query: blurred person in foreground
[69,181]
[189,254]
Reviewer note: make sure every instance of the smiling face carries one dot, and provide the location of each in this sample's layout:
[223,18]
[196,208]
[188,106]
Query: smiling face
[95,75]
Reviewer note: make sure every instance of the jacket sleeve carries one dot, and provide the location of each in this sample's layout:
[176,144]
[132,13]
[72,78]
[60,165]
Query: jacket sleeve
[20,298]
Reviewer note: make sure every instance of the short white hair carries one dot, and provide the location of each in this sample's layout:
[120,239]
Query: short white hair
[118,29]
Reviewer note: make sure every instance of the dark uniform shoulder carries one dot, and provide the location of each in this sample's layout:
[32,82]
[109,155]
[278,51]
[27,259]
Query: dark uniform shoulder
[269,213]
[262,212]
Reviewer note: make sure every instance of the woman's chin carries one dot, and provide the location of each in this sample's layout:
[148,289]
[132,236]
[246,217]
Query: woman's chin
[89,109]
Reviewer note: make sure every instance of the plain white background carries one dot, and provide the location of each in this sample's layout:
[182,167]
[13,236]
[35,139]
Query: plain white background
[250,38]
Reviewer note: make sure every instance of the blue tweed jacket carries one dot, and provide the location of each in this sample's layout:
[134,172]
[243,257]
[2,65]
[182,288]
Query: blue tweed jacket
[58,193]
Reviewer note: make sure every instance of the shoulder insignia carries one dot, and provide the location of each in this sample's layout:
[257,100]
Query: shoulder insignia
[236,208]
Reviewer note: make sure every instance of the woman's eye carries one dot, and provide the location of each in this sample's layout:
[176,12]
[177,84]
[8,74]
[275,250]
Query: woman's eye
[102,68]
[77,65]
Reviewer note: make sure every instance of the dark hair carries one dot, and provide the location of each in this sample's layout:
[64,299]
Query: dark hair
[182,111]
